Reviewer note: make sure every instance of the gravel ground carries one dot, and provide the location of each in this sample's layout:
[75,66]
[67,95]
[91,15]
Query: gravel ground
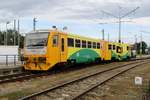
[67,92]
[12,91]
[122,87]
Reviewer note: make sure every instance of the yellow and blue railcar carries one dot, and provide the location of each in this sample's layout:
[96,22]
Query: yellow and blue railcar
[126,55]
[119,51]
[83,49]
[46,48]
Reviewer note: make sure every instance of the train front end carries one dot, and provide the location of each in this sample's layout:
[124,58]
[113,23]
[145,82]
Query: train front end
[35,51]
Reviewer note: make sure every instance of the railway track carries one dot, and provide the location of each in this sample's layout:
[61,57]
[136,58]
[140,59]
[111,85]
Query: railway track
[77,87]
[29,75]
[15,77]
[21,76]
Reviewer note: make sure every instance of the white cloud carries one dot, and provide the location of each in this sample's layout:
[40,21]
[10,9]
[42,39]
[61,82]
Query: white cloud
[65,9]
[79,11]
[144,21]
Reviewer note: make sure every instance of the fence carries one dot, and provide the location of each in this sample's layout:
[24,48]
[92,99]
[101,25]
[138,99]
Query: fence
[10,60]
[146,97]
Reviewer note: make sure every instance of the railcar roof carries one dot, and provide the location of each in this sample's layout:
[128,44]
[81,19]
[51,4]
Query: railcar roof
[75,35]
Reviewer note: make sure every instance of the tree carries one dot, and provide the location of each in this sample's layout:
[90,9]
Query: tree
[138,47]
[12,36]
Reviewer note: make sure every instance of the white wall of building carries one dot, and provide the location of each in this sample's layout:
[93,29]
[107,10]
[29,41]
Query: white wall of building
[10,51]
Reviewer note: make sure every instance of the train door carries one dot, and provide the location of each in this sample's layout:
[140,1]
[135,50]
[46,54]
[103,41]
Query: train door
[106,53]
[63,47]
[53,55]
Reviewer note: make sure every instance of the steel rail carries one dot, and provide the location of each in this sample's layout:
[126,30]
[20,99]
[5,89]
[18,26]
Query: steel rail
[100,83]
[28,75]
[57,86]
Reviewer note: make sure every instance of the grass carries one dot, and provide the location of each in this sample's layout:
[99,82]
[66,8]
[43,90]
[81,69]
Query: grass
[15,95]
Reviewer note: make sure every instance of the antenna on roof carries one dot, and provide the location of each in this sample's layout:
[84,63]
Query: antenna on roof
[54,27]
[65,28]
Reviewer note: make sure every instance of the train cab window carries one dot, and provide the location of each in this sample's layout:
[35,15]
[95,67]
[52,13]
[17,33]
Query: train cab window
[89,44]
[70,42]
[127,48]
[77,43]
[62,45]
[55,40]
[114,47]
[94,45]
[109,46]
[119,49]
[98,45]
[83,44]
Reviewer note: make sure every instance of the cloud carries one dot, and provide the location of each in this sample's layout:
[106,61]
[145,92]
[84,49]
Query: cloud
[69,10]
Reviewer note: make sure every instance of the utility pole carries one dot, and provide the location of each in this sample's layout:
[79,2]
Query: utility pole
[103,31]
[136,43]
[108,37]
[18,32]
[6,36]
[14,32]
[34,23]
[103,34]
[141,47]
[120,17]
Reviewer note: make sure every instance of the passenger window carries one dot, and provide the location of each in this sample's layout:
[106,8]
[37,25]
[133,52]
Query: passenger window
[94,45]
[114,47]
[83,44]
[77,43]
[98,45]
[109,46]
[70,42]
[62,45]
[119,49]
[89,44]
[55,40]
[127,48]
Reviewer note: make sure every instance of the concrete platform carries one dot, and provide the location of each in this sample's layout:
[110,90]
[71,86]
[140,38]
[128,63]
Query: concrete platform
[143,56]
[10,69]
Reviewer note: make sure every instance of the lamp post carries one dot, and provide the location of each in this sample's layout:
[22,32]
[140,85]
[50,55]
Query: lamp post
[18,33]
[14,32]
[34,23]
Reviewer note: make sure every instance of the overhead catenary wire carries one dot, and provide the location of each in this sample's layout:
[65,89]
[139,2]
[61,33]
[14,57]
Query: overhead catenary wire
[120,17]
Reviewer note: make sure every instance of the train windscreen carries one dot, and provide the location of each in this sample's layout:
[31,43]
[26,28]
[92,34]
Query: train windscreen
[36,40]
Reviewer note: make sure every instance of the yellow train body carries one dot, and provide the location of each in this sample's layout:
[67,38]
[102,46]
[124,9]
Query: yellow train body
[46,48]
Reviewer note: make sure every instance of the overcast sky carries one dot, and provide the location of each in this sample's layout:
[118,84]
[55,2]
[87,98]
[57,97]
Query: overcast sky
[80,16]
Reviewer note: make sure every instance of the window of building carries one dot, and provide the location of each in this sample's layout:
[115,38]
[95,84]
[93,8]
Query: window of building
[70,42]
[83,44]
[98,45]
[114,47]
[89,44]
[109,46]
[77,43]
[94,45]
[55,40]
